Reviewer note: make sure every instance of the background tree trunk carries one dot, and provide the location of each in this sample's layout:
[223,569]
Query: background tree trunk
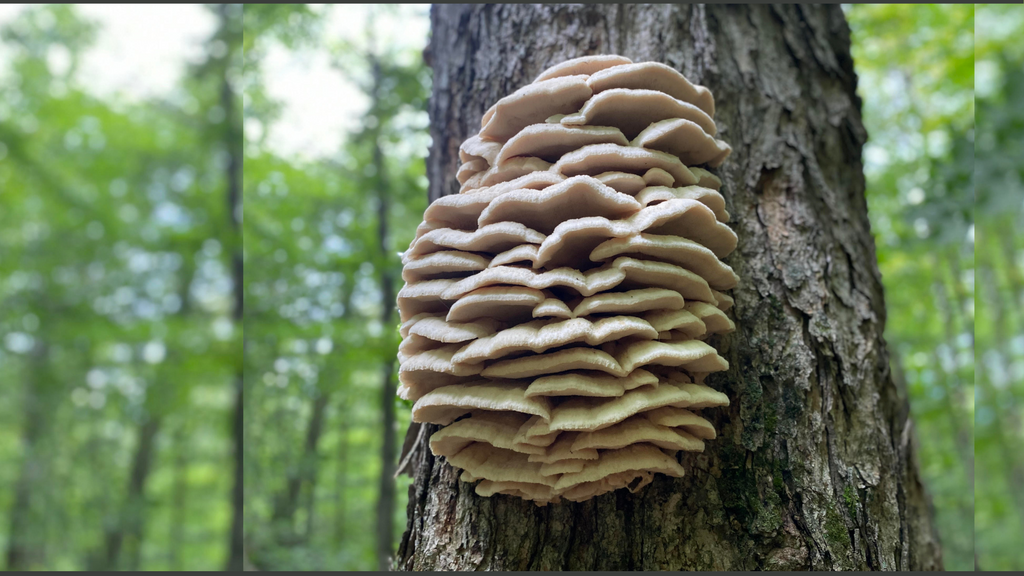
[814,466]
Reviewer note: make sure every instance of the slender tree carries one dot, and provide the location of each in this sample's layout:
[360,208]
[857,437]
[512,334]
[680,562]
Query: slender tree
[815,466]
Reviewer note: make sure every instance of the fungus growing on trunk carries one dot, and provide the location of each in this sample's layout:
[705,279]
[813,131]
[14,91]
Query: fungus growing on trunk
[555,311]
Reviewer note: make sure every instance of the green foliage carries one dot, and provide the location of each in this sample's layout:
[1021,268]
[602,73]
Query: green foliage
[313,289]
[115,311]
[999,516]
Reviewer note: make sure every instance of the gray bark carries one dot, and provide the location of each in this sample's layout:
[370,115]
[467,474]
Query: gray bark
[814,467]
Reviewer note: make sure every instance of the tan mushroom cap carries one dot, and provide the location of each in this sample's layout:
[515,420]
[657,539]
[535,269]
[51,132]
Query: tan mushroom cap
[444,264]
[633,480]
[712,317]
[540,494]
[633,110]
[492,238]
[550,141]
[691,354]
[653,76]
[584,65]
[685,139]
[589,414]
[630,301]
[542,335]
[562,449]
[590,384]
[445,404]
[534,103]
[505,172]
[461,211]
[683,321]
[658,177]
[637,457]
[574,240]
[600,158]
[682,418]
[502,303]
[543,210]
[673,250]
[470,169]
[520,254]
[436,361]
[555,362]
[652,195]
[481,460]
[706,179]
[422,297]
[494,428]
[623,182]
[634,430]
[562,467]
[625,271]
[475,147]
[725,301]
[436,328]
[536,433]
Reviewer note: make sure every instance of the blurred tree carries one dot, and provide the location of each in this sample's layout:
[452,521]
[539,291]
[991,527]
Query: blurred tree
[999,175]
[916,69]
[113,304]
[320,242]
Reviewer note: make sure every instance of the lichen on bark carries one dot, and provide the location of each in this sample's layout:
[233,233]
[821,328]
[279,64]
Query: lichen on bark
[814,465]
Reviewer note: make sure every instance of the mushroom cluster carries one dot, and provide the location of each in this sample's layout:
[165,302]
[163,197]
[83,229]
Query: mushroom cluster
[555,312]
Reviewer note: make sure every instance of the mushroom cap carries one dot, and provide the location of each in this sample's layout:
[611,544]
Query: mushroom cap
[475,147]
[685,139]
[481,460]
[550,141]
[634,430]
[673,250]
[653,76]
[502,303]
[443,264]
[494,428]
[712,199]
[637,457]
[590,384]
[600,158]
[534,103]
[541,335]
[504,172]
[577,197]
[623,181]
[445,404]
[584,65]
[633,110]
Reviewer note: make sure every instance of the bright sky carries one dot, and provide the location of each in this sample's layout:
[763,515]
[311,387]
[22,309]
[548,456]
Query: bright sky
[320,104]
[142,50]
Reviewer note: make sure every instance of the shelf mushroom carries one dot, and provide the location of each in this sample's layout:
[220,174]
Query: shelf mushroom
[556,311]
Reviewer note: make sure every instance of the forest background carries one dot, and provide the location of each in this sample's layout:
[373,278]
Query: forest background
[123,348]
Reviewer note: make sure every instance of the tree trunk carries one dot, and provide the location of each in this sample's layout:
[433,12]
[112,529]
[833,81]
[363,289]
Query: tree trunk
[25,543]
[179,499]
[131,522]
[386,488]
[305,475]
[233,145]
[814,467]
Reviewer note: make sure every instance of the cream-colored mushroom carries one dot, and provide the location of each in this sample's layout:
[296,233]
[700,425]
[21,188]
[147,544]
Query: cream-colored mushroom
[653,76]
[556,311]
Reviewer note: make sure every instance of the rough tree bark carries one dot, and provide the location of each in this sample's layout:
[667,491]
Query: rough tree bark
[814,466]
